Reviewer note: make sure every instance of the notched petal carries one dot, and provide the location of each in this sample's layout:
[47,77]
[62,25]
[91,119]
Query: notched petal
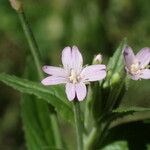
[145,74]
[55,71]
[70,91]
[77,60]
[67,57]
[94,73]
[52,80]
[80,91]
[129,57]
[143,56]
[135,77]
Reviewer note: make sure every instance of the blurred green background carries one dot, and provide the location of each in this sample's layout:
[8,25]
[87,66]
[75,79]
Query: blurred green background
[93,25]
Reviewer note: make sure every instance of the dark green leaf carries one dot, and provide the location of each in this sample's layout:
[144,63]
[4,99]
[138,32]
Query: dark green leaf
[119,145]
[53,95]
[115,64]
[33,130]
[130,114]
[130,109]
[39,127]
[114,85]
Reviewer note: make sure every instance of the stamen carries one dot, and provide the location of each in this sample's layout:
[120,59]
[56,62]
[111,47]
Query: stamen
[135,68]
[73,77]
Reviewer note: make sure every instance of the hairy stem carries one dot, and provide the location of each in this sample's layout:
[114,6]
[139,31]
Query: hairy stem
[78,124]
[32,43]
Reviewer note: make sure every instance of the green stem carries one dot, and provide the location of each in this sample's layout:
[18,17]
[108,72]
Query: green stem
[36,56]
[104,133]
[57,135]
[32,43]
[91,139]
[113,95]
[87,108]
[97,136]
[78,124]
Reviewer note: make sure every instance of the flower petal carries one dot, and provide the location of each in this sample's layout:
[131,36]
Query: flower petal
[70,91]
[55,71]
[77,60]
[52,80]
[145,74]
[67,58]
[81,92]
[143,56]
[135,77]
[129,56]
[94,73]
[72,59]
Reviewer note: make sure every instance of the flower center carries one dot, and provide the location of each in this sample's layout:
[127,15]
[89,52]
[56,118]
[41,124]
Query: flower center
[73,77]
[135,68]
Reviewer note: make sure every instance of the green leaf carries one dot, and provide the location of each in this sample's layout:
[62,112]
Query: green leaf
[38,118]
[130,109]
[122,112]
[37,137]
[54,95]
[33,131]
[119,145]
[129,114]
[148,146]
[112,89]
[114,84]
[115,64]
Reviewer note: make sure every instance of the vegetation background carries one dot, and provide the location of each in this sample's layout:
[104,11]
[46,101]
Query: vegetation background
[94,26]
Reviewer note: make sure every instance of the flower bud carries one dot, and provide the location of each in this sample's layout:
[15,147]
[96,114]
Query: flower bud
[17,5]
[115,78]
[106,83]
[97,59]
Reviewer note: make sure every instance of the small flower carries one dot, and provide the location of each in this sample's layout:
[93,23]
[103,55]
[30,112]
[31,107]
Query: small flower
[136,64]
[73,74]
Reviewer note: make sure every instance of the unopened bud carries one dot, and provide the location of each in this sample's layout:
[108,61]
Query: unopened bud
[17,5]
[115,78]
[106,83]
[97,59]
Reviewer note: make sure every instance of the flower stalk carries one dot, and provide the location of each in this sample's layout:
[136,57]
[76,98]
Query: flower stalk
[78,124]
[36,56]
[34,49]
[91,139]
[32,43]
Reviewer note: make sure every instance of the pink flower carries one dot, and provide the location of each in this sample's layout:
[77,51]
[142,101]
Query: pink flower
[136,64]
[73,74]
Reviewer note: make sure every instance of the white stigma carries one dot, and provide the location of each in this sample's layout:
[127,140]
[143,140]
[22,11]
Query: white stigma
[73,77]
[135,68]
